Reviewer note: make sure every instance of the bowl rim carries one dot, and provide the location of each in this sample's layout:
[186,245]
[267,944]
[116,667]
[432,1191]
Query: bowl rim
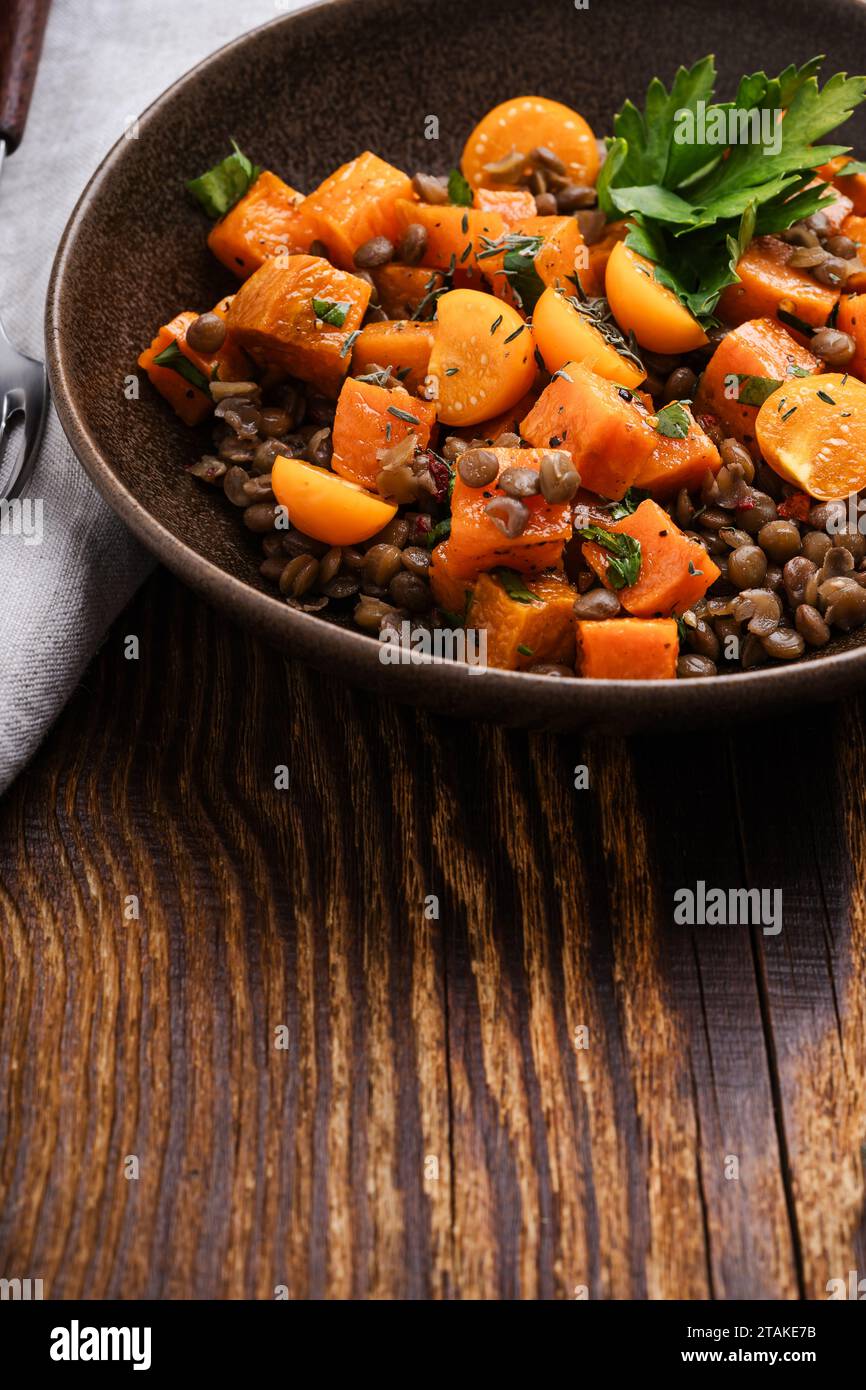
[326,645]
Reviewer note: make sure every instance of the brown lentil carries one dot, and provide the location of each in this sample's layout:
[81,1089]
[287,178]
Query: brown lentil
[409,591]
[596,605]
[377,251]
[693,664]
[509,514]
[412,244]
[785,644]
[206,334]
[811,626]
[478,467]
[299,575]
[381,563]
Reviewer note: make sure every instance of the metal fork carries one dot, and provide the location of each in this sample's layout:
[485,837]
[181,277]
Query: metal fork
[23,382]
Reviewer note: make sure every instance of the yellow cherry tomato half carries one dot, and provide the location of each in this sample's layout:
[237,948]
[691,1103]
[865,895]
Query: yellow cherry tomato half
[646,308]
[327,507]
[483,359]
[812,432]
[564,334]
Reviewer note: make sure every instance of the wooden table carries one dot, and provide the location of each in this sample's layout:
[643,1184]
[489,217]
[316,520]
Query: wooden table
[548,1090]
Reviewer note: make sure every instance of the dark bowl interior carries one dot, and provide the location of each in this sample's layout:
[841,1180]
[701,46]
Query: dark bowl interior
[301,96]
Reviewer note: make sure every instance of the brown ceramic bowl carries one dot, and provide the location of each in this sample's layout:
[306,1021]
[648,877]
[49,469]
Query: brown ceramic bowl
[302,95]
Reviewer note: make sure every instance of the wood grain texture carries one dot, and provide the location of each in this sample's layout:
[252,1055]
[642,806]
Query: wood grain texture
[508,1072]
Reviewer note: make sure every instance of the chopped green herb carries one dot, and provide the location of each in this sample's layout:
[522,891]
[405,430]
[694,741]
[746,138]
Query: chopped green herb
[459,189]
[754,390]
[692,569]
[451,371]
[380,378]
[225,184]
[682,630]
[854,166]
[673,421]
[629,504]
[173,358]
[464,223]
[332,311]
[495,324]
[515,586]
[466,252]
[788,413]
[624,554]
[440,532]
[524,650]
[348,342]
[822,396]
[403,415]
[799,371]
[560,371]
[515,334]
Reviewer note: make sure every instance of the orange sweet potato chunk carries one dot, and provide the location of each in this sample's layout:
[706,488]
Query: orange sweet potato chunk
[514,205]
[769,283]
[477,543]
[520,634]
[229,364]
[852,187]
[370,418]
[451,591]
[674,573]
[591,273]
[627,649]
[273,319]
[402,289]
[761,347]
[677,463]
[265,222]
[852,319]
[606,430]
[404,346]
[355,203]
[455,235]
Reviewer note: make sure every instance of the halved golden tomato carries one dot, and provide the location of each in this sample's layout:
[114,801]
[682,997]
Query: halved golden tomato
[812,432]
[483,359]
[646,308]
[564,334]
[327,507]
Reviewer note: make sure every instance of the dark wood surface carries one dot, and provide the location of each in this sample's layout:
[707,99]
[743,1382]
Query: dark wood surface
[431,1130]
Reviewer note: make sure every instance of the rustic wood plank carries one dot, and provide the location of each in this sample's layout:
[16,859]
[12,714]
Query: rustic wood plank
[432,1129]
[804,831]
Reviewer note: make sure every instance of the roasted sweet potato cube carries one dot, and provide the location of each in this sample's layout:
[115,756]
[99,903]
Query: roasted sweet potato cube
[451,591]
[514,205]
[456,236]
[759,348]
[274,319]
[522,631]
[356,203]
[678,463]
[627,649]
[403,289]
[674,571]
[265,222]
[404,346]
[604,428]
[185,379]
[769,283]
[370,418]
[477,543]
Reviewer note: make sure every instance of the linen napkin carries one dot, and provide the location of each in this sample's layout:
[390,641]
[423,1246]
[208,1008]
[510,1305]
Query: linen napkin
[74,566]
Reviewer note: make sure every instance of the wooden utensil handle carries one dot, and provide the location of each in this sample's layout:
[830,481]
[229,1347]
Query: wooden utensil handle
[20,45]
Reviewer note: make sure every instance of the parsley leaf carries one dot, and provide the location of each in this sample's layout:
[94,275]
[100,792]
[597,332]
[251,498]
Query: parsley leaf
[440,532]
[628,504]
[331,311]
[225,184]
[699,178]
[176,361]
[515,586]
[673,421]
[624,554]
[459,189]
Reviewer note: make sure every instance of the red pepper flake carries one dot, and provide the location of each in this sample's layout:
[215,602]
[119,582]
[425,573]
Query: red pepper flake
[796,507]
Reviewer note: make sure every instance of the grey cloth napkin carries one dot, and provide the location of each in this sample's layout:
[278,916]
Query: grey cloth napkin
[103,62]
